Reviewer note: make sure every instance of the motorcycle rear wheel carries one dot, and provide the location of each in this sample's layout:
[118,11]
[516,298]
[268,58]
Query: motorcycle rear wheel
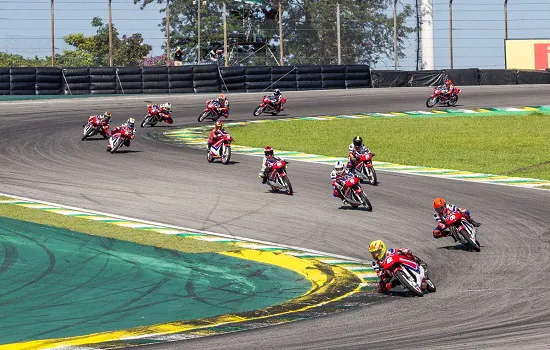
[432,102]
[405,282]
[471,243]
[452,101]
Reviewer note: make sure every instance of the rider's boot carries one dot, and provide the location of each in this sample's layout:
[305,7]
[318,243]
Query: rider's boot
[475,223]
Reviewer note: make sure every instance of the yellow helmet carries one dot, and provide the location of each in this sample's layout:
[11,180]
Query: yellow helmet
[377,249]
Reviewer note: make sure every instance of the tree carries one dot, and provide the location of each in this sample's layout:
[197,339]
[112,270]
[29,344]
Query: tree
[309,28]
[94,50]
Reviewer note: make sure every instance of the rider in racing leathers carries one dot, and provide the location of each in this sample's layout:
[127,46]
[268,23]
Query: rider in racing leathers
[267,162]
[163,110]
[129,126]
[215,134]
[222,105]
[276,99]
[103,120]
[442,210]
[356,149]
[380,252]
[447,89]
[338,176]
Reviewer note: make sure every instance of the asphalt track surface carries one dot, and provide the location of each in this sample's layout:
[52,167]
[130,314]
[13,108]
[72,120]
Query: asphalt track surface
[495,299]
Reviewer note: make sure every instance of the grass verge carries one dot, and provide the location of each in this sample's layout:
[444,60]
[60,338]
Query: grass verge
[144,237]
[507,145]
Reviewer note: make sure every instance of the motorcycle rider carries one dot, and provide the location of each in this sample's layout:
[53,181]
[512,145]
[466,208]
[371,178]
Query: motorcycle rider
[268,160]
[222,105]
[163,110]
[129,126]
[447,89]
[276,99]
[442,210]
[379,252]
[215,134]
[338,176]
[102,120]
[356,148]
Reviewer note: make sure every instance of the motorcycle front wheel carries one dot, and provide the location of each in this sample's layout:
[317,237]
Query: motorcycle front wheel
[116,145]
[372,177]
[432,101]
[366,201]
[226,154]
[408,284]
[470,241]
[88,133]
[146,121]
[259,110]
[288,186]
[203,116]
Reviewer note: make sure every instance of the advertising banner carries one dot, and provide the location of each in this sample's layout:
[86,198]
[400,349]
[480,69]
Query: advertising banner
[527,53]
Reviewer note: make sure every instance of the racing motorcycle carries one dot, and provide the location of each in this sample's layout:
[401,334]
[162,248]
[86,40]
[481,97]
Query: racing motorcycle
[277,178]
[152,117]
[364,169]
[210,112]
[91,129]
[462,230]
[118,139]
[438,96]
[408,273]
[220,149]
[267,107]
[354,194]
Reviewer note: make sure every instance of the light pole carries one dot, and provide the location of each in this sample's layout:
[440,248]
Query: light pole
[395,55]
[506,19]
[451,30]
[281,30]
[338,32]
[53,38]
[168,32]
[110,36]
[198,31]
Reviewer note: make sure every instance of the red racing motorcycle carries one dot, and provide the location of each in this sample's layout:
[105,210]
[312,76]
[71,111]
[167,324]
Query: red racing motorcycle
[277,178]
[462,230]
[268,107]
[220,149]
[152,117]
[364,169]
[439,96]
[354,194]
[408,273]
[118,139]
[210,112]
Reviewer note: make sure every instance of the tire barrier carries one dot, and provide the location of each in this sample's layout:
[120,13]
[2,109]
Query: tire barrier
[211,78]
[48,81]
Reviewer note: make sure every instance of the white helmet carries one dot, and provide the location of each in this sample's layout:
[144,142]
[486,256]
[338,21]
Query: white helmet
[168,106]
[339,167]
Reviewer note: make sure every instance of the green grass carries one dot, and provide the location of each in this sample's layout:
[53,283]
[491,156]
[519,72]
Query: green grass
[511,145]
[150,238]
[4,198]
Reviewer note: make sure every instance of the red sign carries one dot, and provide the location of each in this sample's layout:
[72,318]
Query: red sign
[542,56]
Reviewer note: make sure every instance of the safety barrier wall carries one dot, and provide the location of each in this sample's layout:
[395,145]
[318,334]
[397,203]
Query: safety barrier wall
[211,78]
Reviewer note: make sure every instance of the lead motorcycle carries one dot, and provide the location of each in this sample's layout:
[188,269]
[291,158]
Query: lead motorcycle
[408,273]
[354,194]
[439,96]
[118,139]
[365,170]
[220,149]
[277,178]
[268,107]
[463,231]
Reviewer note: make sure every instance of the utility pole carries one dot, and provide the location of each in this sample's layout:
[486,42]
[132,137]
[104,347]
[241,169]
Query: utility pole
[281,31]
[506,19]
[338,32]
[198,31]
[395,56]
[110,36]
[451,30]
[53,38]
[225,57]
[168,32]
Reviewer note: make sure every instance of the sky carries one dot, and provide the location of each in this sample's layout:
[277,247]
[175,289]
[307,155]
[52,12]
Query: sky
[478,27]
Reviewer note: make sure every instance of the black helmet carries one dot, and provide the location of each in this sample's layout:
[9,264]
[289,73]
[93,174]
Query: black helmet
[357,141]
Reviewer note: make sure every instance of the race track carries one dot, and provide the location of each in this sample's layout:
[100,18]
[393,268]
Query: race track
[494,299]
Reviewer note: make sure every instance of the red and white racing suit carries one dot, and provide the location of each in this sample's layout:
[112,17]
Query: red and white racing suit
[215,134]
[354,155]
[130,131]
[441,230]
[100,120]
[338,182]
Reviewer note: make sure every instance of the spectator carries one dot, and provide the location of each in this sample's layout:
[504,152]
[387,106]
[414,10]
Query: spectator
[178,55]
